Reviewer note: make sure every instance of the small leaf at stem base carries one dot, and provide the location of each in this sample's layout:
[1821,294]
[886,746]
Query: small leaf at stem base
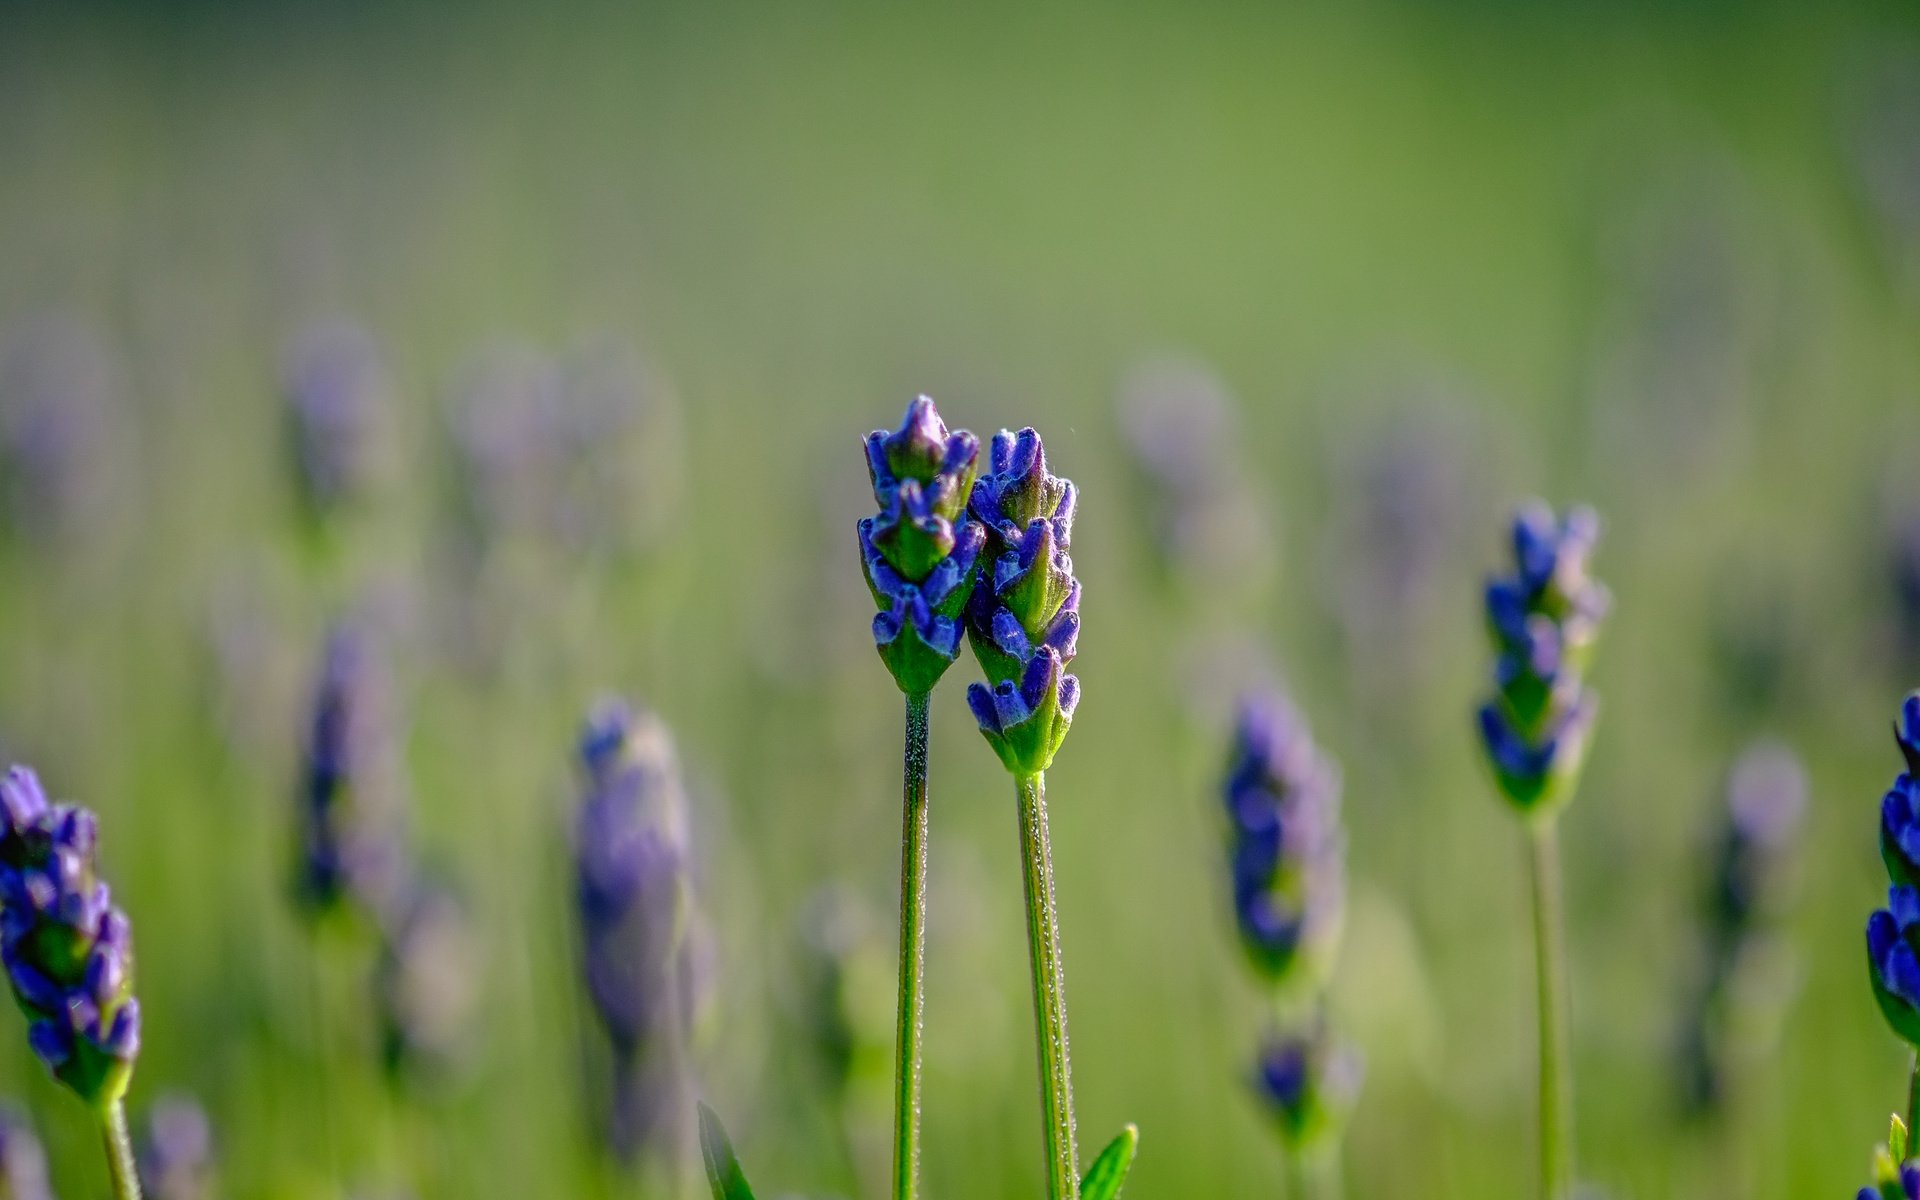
[723,1166]
[1109,1171]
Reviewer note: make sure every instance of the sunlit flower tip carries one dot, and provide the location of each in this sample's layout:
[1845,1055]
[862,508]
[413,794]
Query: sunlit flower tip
[23,1161]
[1308,1083]
[22,802]
[1893,934]
[176,1155]
[924,452]
[1025,722]
[68,952]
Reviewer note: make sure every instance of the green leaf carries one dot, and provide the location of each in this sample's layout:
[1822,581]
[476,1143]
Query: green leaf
[1109,1171]
[1897,1138]
[723,1166]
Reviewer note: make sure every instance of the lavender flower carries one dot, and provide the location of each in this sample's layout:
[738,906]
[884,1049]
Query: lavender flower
[338,398]
[23,1162]
[643,957]
[426,986]
[351,845]
[68,951]
[1308,1082]
[1893,936]
[176,1155]
[1544,617]
[58,384]
[1286,846]
[921,552]
[1900,808]
[1024,615]
[1747,978]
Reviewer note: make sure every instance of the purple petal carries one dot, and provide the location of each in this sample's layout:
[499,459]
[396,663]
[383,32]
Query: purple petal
[980,700]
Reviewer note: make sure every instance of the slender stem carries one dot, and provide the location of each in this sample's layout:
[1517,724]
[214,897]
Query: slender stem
[913,952]
[1556,1065]
[1299,1185]
[120,1164]
[1049,991]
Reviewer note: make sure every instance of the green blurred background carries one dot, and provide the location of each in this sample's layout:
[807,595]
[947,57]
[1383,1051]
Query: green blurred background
[1665,258]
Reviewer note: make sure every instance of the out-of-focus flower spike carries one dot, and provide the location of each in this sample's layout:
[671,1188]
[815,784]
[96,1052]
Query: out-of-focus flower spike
[1308,1081]
[427,983]
[339,399]
[176,1154]
[23,1161]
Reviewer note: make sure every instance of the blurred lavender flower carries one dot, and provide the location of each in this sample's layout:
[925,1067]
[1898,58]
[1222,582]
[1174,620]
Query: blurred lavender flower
[339,406]
[23,1162]
[1024,615]
[352,840]
[1286,847]
[1746,982]
[68,951]
[644,957]
[57,423]
[1209,527]
[1544,617]
[176,1155]
[920,553]
[427,984]
[1309,1083]
[505,424]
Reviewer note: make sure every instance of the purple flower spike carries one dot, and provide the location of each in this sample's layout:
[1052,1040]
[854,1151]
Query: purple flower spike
[176,1155]
[68,952]
[1893,936]
[1024,616]
[352,837]
[338,397]
[1543,617]
[426,987]
[920,554]
[1285,847]
[645,953]
[1309,1083]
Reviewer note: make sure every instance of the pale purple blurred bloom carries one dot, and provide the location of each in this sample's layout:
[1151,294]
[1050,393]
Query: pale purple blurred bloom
[23,1162]
[427,984]
[59,391]
[176,1152]
[340,406]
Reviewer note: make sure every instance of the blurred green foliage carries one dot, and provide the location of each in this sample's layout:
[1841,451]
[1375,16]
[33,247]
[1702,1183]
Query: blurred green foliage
[1662,258]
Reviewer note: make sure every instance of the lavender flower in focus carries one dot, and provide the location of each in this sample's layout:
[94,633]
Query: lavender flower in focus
[1747,980]
[23,1162]
[352,794]
[176,1155]
[1308,1083]
[426,986]
[644,960]
[68,951]
[921,552]
[1285,845]
[339,399]
[1024,615]
[1544,617]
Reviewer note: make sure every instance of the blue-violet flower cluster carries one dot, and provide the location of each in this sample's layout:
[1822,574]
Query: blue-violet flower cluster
[1544,617]
[1024,616]
[68,951]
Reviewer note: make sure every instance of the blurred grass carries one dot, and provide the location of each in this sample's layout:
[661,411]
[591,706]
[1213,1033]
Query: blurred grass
[807,214]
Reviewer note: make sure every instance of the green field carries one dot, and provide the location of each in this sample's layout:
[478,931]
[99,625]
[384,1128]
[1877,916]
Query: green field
[1665,259]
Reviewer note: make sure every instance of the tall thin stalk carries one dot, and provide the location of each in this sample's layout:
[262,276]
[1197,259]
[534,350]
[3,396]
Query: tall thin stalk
[1049,991]
[1550,962]
[1913,1095]
[120,1164]
[913,952]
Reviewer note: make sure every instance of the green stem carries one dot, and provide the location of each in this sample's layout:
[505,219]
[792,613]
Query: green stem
[1049,991]
[1556,1065]
[120,1165]
[913,952]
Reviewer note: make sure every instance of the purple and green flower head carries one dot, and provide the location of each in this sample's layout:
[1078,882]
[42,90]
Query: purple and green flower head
[1544,616]
[1024,615]
[1308,1081]
[1287,851]
[68,951]
[1895,1176]
[921,552]
[1893,938]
